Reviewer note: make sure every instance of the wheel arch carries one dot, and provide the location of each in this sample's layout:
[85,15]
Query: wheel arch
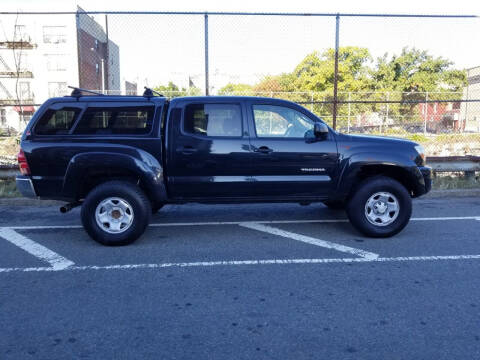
[404,172]
[88,170]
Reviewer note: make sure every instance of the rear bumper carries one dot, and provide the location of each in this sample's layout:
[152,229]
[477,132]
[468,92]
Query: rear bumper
[25,186]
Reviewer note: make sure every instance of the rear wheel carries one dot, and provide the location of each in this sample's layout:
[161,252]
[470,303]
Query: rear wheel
[380,207]
[116,213]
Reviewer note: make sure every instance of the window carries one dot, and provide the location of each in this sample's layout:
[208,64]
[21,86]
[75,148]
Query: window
[281,122]
[54,34]
[57,89]
[56,62]
[24,91]
[23,62]
[57,122]
[213,120]
[25,118]
[20,33]
[116,121]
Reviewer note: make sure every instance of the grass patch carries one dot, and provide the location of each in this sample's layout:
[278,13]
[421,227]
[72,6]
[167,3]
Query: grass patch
[420,138]
[8,188]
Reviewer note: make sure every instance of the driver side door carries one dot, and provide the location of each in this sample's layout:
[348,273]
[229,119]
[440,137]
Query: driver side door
[288,161]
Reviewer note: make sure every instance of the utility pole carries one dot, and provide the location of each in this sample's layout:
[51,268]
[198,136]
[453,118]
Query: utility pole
[335,80]
[206,55]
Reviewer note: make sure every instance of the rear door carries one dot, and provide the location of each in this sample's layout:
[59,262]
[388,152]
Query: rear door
[208,150]
[288,161]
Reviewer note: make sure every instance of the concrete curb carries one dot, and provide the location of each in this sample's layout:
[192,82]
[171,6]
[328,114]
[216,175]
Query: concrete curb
[434,194]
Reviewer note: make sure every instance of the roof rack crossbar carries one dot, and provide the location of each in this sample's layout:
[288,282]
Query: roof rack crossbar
[78,91]
[149,92]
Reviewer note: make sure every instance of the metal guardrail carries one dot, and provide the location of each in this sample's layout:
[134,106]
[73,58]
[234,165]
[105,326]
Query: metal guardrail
[8,172]
[468,164]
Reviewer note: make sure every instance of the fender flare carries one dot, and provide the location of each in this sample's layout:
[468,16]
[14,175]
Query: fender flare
[138,162]
[351,168]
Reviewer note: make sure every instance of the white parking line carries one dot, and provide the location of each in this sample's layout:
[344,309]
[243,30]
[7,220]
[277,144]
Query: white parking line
[41,252]
[207,223]
[244,262]
[309,240]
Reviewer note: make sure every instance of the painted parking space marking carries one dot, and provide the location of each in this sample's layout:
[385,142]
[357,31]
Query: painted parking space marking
[309,240]
[212,223]
[56,261]
[60,263]
[245,263]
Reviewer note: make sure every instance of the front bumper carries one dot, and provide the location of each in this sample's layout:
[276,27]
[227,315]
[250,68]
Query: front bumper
[25,186]
[427,178]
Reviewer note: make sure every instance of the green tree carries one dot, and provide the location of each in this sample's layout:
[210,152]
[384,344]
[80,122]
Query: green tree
[413,73]
[171,90]
[236,89]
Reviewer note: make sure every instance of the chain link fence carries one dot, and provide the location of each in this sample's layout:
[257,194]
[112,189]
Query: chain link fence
[397,75]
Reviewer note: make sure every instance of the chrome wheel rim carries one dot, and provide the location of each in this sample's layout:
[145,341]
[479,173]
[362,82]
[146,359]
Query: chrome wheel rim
[114,215]
[382,208]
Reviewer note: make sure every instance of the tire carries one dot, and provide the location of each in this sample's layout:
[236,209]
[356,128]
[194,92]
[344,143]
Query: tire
[373,196]
[111,203]
[334,205]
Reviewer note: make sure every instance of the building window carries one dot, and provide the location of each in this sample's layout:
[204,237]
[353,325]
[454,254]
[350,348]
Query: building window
[56,62]
[25,118]
[57,89]
[20,33]
[23,62]
[54,34]
[24,91]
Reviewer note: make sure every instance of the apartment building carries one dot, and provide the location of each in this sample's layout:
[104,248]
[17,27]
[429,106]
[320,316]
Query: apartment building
[41,54]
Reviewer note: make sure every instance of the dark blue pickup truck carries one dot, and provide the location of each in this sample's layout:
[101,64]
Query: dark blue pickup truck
[123,157]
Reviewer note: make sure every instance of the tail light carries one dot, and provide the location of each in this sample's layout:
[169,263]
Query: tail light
[22,163]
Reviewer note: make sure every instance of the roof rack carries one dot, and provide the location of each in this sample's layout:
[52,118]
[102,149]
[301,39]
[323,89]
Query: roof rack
[149,92]
[77,92]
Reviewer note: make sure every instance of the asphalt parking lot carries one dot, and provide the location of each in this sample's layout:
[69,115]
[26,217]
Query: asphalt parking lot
[261,281]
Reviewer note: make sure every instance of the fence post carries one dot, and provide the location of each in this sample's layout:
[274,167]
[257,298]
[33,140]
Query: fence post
[206,55]
[335,79]
[425,115]
[388,108]
[349,111]
[105,63]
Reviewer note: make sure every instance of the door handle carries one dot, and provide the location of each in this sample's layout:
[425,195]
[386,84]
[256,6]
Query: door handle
[186,150]
[263,150]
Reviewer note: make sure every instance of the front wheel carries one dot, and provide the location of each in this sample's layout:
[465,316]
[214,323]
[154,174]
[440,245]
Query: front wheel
[380,207]
[116,213]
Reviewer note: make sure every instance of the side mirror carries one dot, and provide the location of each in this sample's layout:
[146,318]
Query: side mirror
[320,129]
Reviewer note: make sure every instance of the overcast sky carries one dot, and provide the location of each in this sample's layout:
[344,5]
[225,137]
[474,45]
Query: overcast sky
[243,49]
